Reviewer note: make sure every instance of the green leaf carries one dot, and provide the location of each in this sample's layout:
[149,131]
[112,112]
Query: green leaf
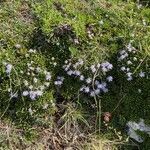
[73,50]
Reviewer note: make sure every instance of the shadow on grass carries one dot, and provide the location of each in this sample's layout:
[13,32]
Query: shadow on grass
[56,44]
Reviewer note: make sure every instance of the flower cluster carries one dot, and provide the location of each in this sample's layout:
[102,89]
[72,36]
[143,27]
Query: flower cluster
[34,82]
[131,65]
[99,87]
[92,84]
[94,78]
[59,81]
[39,80]
[8,67]
[126,62]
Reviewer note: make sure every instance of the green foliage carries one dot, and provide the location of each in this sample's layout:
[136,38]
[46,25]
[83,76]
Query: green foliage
[93,31]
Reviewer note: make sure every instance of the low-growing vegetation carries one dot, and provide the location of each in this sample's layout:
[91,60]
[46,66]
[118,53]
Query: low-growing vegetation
[73,73]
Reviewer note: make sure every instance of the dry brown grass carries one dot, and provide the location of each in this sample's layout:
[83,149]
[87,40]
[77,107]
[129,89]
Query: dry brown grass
[68,132]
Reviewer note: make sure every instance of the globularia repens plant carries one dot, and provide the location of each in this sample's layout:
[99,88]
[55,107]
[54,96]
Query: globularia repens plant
[81,51]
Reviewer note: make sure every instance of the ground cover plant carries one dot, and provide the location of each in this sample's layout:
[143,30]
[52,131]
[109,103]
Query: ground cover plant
[73,73]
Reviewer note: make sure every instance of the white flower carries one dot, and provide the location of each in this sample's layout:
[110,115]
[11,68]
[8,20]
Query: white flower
[134,52]
[31,68]
[75,65]
[35,80]
[42,87]
[21,72]
[39,93]
[129,78]
[142,74]
[38,69]
[81,77]
[122,57]
[30,111]
[122,52]
[48,76]
[25,82]
[130,48]
[132,34]
[101,22]
[98,65]
[139,6]
[97,91]
[93,70]
[123,68]
[141,60]
[4,63]
[87,89]
[109,78]
[31,87]
[18,46]
[53,58]
[104,84]
[134,58]
[76,41]
[60,78]
[32,51]
[110,66]
[92,67]
[66,61]
[66,68]
[80,61]
[55,63]
[70,72]
[45,72]
[88,80]
[47,84]
[82,88]
[128,69]
[92,94]
[144,22]
[129,74]
[104,69]
[129,62]
[100,86]
[45,106]
[106,66]
[58,82]
[9,89]
[139,90]
[8,68]
[77,73]
[25,93]
[105,90]
[33,95]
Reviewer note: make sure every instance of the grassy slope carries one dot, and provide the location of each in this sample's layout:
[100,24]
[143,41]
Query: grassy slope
[34,25]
